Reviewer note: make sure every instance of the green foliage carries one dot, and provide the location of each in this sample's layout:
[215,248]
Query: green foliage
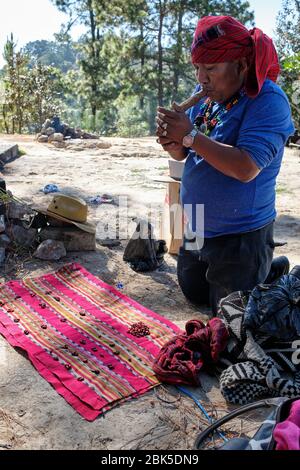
[288,46]
[290,77]
[133,56]
[21,152]
[136,52]
[15,100]
[288,29]
[45,87]
[30,93]
[61,55]
[131,119]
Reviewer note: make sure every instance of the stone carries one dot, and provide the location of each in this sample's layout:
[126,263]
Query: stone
[109,242]
[78,132]
[50,131]
[22,236]
[47,124]
[59,145]
[2,223]
[51,250]
[8,152]
[72,237]
[4,240]
[88,135]
[2,185]
[2,256]
[57,137]
[103,145]
[43,139]
[16,210]
[72,133]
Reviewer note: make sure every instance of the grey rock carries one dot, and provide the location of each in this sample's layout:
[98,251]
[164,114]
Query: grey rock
[4,240]
[73,238]
[88,135]
[16,210]
[22,236]
[50,131]
[103,145]
[43,139]
[57,137]
[2,223]
[8,152]
[59,145]
[47,124]
[51,250]
[110,243]
[2,256]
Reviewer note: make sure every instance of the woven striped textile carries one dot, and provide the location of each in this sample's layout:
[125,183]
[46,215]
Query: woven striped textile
[75,331]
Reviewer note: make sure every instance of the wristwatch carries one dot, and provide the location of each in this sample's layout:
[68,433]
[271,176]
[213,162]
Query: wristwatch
[188,139]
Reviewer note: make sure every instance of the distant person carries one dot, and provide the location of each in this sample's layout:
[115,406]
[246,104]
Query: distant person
[233,141]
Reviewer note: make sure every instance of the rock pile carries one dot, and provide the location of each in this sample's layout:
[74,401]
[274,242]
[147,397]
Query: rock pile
[14,229]
[57,133]
[44,237]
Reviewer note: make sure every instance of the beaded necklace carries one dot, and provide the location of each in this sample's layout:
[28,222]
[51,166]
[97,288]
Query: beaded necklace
[207,119]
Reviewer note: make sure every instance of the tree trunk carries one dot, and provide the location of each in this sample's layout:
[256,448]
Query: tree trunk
[19,101]
[143,47]
[94,35]
[5,119]
[160,88]
[178,51]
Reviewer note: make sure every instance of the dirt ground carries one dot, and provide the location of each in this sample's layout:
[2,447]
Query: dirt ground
[32,414]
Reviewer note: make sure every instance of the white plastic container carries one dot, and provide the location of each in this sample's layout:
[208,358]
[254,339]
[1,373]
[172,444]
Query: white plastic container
[176,169]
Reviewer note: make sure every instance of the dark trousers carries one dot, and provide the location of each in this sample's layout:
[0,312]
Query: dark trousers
[225,264]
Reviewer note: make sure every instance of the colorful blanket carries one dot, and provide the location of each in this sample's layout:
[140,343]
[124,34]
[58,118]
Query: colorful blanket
[77,332]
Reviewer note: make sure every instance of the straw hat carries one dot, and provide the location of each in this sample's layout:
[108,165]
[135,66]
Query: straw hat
[69,209]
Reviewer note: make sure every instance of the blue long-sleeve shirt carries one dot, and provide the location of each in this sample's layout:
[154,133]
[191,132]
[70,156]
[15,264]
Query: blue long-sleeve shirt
[261,126]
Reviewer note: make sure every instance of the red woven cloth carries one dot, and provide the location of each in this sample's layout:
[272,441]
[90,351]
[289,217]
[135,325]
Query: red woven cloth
[75,330]
[181,359]
[224,39]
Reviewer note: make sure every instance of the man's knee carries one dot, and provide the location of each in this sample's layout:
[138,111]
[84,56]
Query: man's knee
[191,275]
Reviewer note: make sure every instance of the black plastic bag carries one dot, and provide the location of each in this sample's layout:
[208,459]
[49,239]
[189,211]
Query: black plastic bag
[274,309]
[143,252]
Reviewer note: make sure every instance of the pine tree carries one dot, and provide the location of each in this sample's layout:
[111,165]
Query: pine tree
[288,46]
[15,96]
[288,29]
[32,92]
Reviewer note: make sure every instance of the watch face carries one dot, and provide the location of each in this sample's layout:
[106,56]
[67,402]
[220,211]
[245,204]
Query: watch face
[188,141]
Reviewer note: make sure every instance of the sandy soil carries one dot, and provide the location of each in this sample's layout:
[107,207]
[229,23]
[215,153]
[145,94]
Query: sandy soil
[32,414]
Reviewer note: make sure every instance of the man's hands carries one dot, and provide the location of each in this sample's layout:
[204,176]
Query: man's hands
[172,126]
[168,145]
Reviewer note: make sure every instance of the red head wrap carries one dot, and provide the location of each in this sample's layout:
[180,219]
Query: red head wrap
[224,39]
